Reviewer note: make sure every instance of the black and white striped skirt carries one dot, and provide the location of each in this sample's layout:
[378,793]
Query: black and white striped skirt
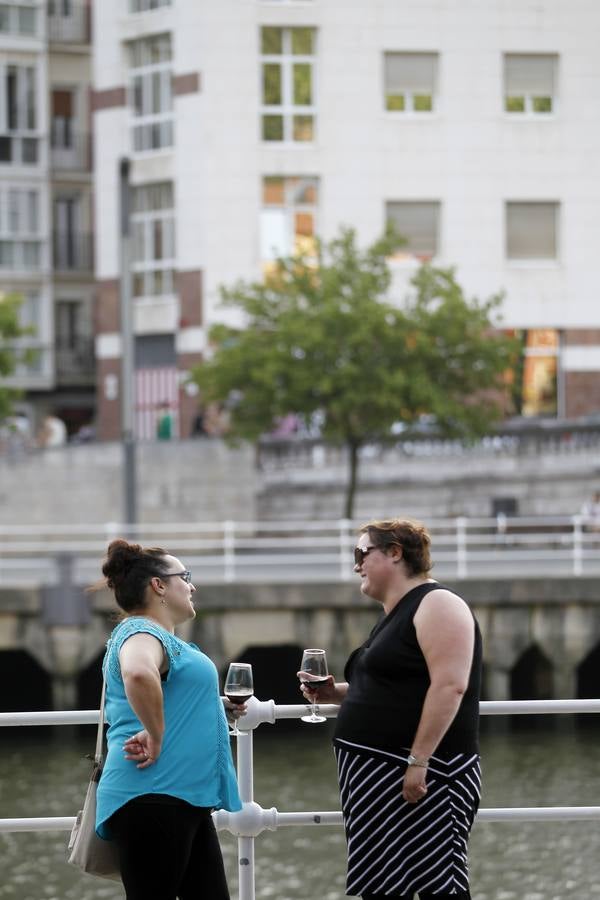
[395,847]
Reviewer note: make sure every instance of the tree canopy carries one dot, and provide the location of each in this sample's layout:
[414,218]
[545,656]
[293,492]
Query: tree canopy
[322,336]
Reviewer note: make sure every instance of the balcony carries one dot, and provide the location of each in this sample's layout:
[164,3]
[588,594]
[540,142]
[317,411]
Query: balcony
[74,154]
[72,26]
[72,253]
[34,368]
[74,361]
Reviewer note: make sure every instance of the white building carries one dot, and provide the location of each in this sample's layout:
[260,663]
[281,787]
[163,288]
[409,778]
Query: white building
[45,201]
[253,124]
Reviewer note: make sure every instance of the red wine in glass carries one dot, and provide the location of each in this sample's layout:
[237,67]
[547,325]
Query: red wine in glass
[314,662]
[239,687]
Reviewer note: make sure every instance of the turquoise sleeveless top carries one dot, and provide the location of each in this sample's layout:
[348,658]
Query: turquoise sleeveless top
[195,763]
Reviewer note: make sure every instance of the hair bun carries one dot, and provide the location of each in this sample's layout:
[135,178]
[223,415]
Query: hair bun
[120,556]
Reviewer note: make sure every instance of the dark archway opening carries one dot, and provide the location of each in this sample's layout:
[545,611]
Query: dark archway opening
[27,687]
[89,689]
[588,687]
[89,684]
[532,678]
[588,676]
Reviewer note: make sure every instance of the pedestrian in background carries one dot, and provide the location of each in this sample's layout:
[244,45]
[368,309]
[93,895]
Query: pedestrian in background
[406,737]
[164,423]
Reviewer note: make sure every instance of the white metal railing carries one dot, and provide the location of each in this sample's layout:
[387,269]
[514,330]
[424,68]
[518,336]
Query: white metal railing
[463,547]
[253,819]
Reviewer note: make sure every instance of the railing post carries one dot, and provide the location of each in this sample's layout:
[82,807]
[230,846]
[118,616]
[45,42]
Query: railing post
[577,546]
[245,766]
[461,547]
[345,561]
[229,550]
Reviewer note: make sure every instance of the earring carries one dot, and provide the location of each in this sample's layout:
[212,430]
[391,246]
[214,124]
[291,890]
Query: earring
[163,601]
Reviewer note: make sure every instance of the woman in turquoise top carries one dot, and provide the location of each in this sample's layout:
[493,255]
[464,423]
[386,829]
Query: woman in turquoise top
[169,761]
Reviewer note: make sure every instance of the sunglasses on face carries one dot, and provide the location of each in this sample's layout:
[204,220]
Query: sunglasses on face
[185,575]
[360,554]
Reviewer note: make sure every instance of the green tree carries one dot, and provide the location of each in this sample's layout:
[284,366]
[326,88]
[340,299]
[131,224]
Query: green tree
[10,353]
[321,335]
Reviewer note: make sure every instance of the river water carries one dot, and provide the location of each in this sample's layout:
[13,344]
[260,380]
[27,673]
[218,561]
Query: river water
[43,773]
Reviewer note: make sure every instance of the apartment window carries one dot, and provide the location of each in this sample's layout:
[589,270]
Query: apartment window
[289,217]
[288,90]
[531,230]
[72,241]
[418,223]
[151,70]
[18,18]
[63,114]
[29,311]
[18,114]
[30,317]
[145,5]
[20,239]
[60,8]
[410,81]
[530,82]
[153,223]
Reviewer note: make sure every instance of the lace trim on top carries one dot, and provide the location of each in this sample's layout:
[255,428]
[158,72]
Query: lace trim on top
[223,749]
[137,625]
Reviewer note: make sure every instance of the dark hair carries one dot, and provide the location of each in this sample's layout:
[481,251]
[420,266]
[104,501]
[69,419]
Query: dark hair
[413,537]
[128,569]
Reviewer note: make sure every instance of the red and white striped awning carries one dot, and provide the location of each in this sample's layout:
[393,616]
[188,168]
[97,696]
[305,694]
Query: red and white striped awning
[155,388]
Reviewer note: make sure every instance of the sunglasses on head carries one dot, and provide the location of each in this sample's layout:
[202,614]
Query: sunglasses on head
[185,575]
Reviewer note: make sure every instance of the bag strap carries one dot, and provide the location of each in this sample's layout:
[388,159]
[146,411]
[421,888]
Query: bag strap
[98,756]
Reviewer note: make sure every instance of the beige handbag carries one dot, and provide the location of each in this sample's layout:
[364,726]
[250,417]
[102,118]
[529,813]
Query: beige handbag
[87,851]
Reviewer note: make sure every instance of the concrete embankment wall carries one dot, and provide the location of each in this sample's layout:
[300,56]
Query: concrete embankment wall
[205,480]
[544,629]
[184,481]
[471,483]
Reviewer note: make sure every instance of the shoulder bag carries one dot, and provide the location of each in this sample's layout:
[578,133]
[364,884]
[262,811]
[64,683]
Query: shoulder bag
[87,851]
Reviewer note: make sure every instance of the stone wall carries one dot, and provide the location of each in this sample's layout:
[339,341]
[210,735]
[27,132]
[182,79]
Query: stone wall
[179,481]
[560,617]
[206,481]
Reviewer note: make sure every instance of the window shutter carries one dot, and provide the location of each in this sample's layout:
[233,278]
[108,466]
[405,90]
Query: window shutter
[410,72]
[530,74]
[417,221]
[531,230]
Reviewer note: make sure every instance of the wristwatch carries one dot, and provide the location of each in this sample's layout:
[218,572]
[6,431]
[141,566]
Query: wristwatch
[413,761]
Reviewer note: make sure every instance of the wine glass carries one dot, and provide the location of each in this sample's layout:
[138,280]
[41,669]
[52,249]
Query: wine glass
[314,662]
[238,688]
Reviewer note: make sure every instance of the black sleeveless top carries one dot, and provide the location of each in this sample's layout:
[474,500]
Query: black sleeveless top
[388,679]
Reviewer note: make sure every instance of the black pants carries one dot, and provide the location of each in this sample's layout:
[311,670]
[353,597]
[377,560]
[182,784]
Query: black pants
[168,849]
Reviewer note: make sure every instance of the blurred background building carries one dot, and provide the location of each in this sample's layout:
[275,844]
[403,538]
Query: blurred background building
[254,125]
[46,201]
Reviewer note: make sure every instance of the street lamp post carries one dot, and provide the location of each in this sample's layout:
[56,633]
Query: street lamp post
[127,351]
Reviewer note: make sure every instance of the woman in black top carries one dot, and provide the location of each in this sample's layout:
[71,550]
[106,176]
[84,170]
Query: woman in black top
[406,738]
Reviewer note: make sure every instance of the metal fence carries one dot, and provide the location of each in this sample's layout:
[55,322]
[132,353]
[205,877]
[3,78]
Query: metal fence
[317,551]
[253,819]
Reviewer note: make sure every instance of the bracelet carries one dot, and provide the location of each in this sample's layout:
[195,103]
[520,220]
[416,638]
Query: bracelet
[413,761]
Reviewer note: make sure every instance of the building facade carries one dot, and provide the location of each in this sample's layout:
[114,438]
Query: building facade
[254,125]
[46,203]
